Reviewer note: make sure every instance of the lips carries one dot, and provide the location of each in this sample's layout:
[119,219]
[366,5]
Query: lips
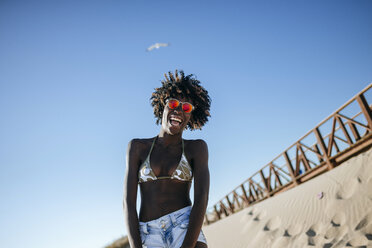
[175,120]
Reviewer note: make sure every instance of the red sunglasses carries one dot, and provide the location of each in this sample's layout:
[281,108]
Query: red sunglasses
[174,103]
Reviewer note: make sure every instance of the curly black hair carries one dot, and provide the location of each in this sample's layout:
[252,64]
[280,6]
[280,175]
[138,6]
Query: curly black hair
[178,84]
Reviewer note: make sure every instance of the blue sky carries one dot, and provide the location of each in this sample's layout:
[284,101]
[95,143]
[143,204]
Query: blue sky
[75,83]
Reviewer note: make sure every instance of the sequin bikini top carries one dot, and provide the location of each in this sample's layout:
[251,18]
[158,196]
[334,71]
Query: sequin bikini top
[183,171]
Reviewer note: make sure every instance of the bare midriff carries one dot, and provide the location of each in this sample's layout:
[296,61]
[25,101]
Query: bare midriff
[161,197]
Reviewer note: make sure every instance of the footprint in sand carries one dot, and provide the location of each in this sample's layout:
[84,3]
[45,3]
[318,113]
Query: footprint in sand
[287,236]
[358,241]
[292,230]
[327,245]
[313,230]
[335,233]
[272,224]
[315,241]
[248,216]
[304,240]
[348,189]
[252,211]
[337,230]
[338,219]
[313,237]
[259,216]
[366,221]
[368,232]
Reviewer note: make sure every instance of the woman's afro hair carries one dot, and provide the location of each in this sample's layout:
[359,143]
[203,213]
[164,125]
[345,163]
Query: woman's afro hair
[178,84]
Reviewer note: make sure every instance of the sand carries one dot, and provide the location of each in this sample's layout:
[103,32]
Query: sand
[300,217]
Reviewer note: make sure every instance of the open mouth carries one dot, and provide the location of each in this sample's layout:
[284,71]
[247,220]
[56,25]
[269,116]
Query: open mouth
[175,121]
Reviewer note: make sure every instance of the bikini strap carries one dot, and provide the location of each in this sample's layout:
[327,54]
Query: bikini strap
[152,146]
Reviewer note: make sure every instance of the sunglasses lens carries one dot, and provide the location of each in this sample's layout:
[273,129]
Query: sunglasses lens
[172,104]
[187,107]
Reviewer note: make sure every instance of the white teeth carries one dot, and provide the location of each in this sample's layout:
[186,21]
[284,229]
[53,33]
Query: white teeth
[175,119]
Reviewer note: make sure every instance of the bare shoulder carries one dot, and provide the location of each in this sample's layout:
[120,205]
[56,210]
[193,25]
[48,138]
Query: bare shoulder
[139,146]
[138,143]
[196,147]
[198,143]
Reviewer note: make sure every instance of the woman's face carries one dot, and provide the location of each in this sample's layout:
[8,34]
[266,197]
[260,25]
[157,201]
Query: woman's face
[174,121]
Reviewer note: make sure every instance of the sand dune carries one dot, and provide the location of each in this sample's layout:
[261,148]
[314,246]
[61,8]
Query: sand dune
[331,210]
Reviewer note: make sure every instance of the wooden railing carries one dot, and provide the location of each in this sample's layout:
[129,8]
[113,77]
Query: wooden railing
[348,132]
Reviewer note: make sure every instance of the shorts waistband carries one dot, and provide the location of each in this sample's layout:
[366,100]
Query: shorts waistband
[164,221]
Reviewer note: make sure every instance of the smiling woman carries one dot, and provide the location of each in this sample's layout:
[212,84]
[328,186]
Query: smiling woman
[166,217]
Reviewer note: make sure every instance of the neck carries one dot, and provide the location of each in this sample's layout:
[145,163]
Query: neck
[168,139]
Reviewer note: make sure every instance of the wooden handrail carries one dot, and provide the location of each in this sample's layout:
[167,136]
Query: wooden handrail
[348,137]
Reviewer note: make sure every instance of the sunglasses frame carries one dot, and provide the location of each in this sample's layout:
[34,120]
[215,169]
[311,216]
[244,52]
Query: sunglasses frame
[180,103]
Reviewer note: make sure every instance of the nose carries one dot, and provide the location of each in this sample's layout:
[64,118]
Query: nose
[178,109]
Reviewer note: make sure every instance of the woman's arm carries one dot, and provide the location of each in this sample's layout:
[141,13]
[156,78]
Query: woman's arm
[201,191]
[130,195]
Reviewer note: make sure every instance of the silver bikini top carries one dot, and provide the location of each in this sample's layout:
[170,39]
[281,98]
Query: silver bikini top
[183,171]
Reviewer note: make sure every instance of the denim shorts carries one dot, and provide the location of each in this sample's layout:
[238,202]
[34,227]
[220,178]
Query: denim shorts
[167,231]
